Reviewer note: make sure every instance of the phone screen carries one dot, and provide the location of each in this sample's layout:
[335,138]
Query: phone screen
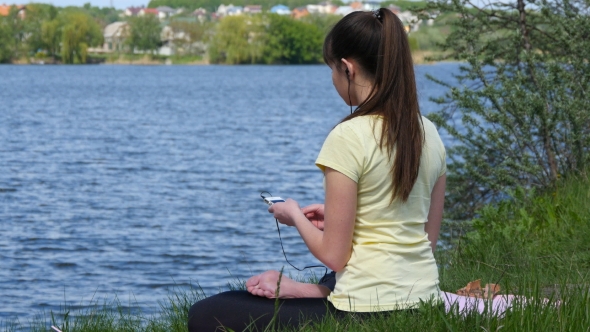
[272,200]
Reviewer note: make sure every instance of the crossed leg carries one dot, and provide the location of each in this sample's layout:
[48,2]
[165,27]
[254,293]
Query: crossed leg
[254,310]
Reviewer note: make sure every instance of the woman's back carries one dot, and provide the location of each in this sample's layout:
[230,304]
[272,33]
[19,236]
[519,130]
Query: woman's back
[391,265]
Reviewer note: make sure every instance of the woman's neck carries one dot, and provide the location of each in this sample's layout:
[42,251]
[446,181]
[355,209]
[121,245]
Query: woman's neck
[361,88]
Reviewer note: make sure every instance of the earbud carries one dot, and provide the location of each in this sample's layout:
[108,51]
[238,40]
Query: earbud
[347,73]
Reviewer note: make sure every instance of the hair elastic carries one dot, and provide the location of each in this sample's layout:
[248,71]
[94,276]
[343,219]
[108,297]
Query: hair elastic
[377,14]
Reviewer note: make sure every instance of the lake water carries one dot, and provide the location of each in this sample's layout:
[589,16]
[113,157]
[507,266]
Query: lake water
[128,181]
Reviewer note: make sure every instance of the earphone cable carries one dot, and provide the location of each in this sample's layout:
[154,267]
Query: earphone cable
[283,248]
[349,99]
[284,254]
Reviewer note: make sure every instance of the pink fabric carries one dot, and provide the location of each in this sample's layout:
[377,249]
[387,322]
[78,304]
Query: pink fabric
[497,306]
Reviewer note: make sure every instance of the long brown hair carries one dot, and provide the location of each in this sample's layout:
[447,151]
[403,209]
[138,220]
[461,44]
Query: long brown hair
[377,41]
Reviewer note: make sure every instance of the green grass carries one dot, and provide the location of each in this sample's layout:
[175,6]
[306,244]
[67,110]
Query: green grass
[536,244]
[115,316]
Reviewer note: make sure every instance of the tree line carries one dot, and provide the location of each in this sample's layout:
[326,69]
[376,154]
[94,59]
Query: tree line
[49,31]
[241,39]
[270,39]
[66,34]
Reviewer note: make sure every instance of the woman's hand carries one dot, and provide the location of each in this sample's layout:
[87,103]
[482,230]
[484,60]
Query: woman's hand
[286,212]
[315,214]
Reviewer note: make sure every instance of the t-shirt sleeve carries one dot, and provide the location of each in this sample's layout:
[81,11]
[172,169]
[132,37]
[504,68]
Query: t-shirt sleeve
[343,152]
[438,148]
[443,169]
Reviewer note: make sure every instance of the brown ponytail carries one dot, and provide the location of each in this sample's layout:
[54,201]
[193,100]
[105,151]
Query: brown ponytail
[379,44]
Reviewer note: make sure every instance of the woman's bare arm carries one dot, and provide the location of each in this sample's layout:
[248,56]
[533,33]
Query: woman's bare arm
[333,245]
[437,201]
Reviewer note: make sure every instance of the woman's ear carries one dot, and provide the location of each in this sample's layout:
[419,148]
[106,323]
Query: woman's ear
[349,68]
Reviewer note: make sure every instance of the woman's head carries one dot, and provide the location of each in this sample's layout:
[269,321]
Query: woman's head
[376,45]
[376,42]
[355,37]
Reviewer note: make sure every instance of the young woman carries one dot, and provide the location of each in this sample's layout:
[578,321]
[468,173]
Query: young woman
[384,168]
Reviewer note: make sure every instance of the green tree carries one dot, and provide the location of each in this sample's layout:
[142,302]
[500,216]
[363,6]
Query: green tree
[35,20]
[292,42]
[12,36]
[519,113]
[404,4]
[104,16]
[78,32]
[51,36]
[5,41]
[322,21]
[187,34]
[237,39]
[144,33]
[265,39]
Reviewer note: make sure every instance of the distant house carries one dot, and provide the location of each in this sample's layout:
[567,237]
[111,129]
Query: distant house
[179,42]
[326,7]
[299,12]
[168,36]
[253,9]
[165,12]
[356,6]
[281,10]
[344,10]
[372,4]
[114,37]
[236,10]
[200,14]
[410,20]
[222,10]
[21,10]
[394,9]
[321,8]
[132,11]
[148,11]
[312,9]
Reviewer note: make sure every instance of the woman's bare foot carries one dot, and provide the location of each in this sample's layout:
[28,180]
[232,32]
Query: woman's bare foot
[265,285]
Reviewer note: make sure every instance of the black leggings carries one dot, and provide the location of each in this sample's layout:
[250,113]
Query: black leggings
[240,310]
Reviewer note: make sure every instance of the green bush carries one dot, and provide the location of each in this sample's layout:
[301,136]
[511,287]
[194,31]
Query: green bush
[271,39]
[518,110]
[289,41]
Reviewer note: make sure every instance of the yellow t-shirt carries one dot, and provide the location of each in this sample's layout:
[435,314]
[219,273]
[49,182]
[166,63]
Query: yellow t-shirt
[391,266]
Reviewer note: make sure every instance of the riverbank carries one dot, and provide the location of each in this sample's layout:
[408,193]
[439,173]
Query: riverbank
[533,245]
[120,59]
[419,57]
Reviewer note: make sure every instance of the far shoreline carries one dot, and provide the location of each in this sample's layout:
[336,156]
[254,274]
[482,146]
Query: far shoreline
[419,58]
